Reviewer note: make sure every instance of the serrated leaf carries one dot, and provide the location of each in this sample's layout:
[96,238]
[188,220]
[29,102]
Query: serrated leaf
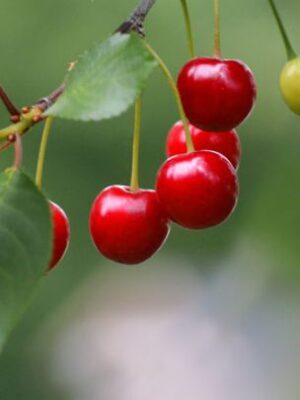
[25,237]
[106,80]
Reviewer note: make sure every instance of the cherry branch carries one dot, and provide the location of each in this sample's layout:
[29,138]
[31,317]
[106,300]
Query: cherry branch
[29,117]
[11,108]
[47,102]
[136,20]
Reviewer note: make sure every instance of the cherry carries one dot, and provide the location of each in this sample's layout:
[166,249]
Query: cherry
[290,84]
[226,143]
[199,189]
[217,95]
[61,234]
[128,227]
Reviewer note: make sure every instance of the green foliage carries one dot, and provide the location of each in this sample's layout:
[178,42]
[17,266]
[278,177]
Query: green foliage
[25,237]
[106,80]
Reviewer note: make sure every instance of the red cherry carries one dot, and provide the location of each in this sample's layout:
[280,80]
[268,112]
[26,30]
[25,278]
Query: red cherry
[61,234]
[217,95]
[128,227]
[199,189]
[226,143]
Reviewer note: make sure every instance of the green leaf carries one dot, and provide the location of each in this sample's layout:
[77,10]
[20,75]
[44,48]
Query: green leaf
[106,80]
[25,237]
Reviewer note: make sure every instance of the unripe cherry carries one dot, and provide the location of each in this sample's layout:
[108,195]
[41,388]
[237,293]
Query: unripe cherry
[290,84]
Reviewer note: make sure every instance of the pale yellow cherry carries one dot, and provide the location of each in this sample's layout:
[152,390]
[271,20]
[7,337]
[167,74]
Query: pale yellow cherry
[290,84]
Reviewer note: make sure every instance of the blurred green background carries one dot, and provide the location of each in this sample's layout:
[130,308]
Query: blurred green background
[215,315]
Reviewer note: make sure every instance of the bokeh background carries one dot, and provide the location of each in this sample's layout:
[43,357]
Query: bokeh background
[215,315]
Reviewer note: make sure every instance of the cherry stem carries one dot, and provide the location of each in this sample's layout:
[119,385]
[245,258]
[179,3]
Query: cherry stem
[291,54]
[170,79]
[217,35]
[134,185]
[17,141]
[188,27]
[11,108]
[42,152]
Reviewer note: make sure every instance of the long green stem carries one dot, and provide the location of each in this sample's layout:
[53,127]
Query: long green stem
[188,27]
[170,79]
[217,34]
[134,185]
[42,152]
[287,43]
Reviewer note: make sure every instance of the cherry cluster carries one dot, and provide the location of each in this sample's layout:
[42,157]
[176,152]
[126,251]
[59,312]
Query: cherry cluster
[196,189]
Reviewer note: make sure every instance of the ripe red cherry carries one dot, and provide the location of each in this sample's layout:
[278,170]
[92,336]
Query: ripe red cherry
[128,227]
[217,95]
[199,189]
[226,143]
[61,234]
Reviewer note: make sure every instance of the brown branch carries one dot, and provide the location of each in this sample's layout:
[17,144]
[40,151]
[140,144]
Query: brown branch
[11,108]
[47,102]
[136,20]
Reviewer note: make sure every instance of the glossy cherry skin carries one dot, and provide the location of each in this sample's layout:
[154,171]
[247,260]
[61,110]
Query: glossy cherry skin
[199,189]
[217,95]
[61,234]
[128,227]
[227,143]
